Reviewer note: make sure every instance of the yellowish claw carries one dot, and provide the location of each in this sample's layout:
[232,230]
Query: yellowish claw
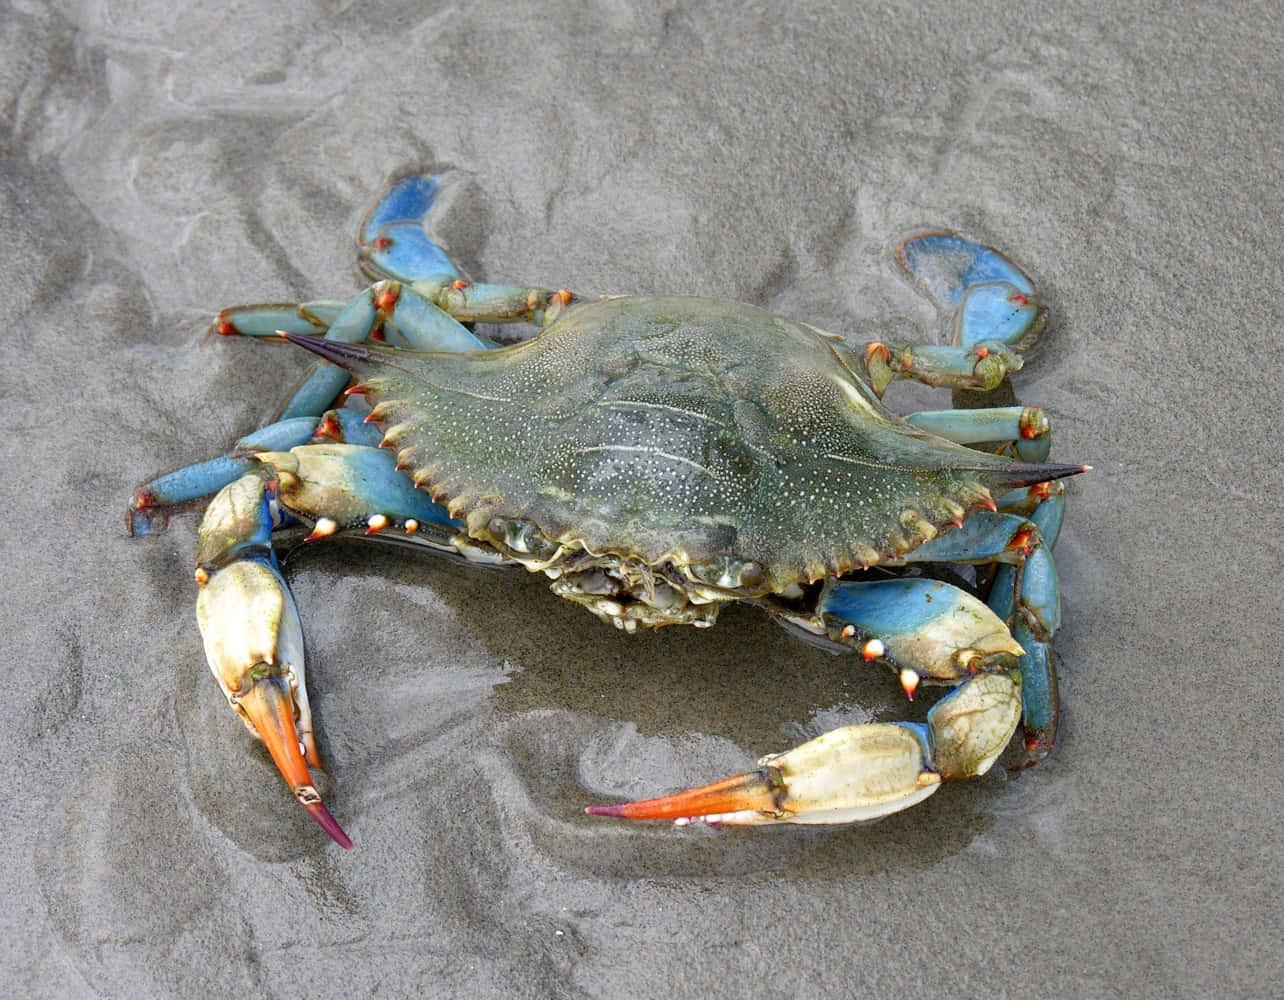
[254,646]
[847,775]
[859,772]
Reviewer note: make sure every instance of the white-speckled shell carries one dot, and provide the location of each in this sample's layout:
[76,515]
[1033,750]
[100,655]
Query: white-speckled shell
[677,430]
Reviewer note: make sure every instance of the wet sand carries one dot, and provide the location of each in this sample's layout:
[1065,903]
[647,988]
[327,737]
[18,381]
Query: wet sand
[161,164]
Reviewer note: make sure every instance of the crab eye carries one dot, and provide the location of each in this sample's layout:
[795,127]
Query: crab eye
[520,536]
[729,573]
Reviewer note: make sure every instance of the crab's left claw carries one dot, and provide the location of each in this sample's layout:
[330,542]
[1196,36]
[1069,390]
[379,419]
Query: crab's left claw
[859,772]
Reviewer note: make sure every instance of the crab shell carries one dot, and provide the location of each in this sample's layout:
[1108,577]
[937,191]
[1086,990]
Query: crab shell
[662,456]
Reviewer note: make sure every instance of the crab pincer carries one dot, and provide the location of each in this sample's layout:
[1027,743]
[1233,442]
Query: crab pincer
[253,638]
[847,775]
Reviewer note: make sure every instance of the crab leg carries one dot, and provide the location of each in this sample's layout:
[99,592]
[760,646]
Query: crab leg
[1043,503]
[985,537]
[266,319]
[253,640]
[1027,427]
[392,243]
[391,240]
[1027,596]
[981,368]
[975,282]
[154,500]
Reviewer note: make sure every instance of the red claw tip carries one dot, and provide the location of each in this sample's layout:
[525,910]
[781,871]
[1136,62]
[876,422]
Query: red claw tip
[614,811]
[329,824]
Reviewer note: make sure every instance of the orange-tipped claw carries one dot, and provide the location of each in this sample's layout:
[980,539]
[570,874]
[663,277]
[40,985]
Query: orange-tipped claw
[253,639]
[271,711]
[749,792]
[846,775]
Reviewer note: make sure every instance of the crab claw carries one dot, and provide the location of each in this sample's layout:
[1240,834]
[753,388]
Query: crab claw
[847,775]
[859,772]
[254,645]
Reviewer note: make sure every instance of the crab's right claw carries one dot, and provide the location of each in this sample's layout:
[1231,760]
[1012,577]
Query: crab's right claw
[847,775]
[859,772]
[254,645]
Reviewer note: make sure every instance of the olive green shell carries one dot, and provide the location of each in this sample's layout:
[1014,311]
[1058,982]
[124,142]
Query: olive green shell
[677,430]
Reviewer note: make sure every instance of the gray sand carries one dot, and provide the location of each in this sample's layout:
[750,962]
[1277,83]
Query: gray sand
[162,163]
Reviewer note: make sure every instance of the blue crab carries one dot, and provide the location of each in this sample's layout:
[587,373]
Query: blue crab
[658,458]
